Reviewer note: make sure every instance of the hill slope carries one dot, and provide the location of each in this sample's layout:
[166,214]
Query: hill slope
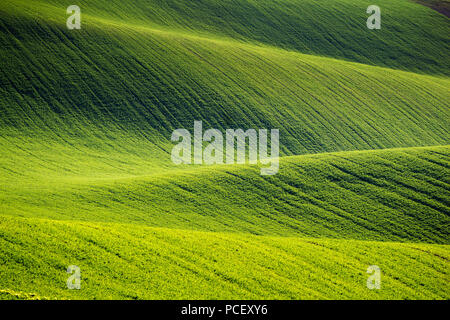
[394,195]
[412,36]
[86,176]
[72,95]
[134,262]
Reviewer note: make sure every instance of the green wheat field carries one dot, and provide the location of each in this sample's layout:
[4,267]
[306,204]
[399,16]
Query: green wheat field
[86,176]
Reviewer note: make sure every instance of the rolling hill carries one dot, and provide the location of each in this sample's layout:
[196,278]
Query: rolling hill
[394,194]
[134,262]
[86,176]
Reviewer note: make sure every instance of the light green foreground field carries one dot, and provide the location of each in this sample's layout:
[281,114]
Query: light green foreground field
[136,262]
[86,177]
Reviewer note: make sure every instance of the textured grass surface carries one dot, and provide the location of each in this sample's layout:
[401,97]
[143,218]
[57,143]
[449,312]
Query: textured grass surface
[116,92]
[396,195]
[86,176]
[385,195]
[412,37]
[175,264]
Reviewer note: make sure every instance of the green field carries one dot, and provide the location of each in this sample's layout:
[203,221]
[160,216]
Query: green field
[86,176]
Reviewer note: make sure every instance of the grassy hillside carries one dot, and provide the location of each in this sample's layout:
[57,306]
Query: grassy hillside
[394,195]
[134,262]
[66,92]
[86,176]
[399,195]
[412,37]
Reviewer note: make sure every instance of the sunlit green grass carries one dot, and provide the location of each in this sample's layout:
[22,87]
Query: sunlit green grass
[135,262]
[85,170]
[117,87]
[412,37]
[396,195]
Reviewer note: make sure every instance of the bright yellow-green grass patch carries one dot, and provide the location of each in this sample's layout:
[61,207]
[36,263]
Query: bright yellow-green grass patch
[135,262]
